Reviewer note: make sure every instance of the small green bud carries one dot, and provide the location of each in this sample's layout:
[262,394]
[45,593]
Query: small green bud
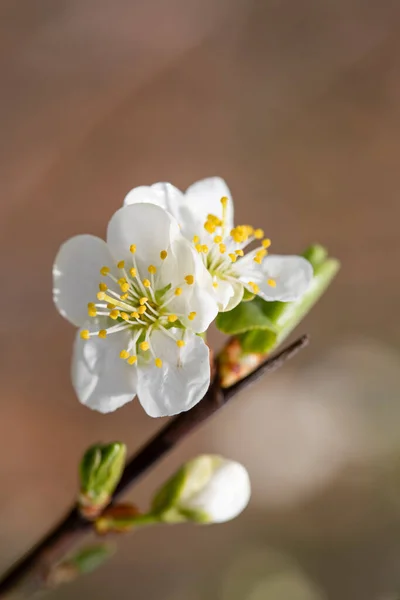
[207,489]
[100,471]
[84,560]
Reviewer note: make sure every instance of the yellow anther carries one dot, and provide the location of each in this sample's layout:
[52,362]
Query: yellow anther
[152,269]
[214,219]
[209,226]
[222,248]
[124,316]
[102,334]
[172,318]
[121,264]
[131,360]
[189,279]
[114,314]
[204,249]
[215,285]
[143,300]
[178,291]
[101,296]
[233,257]
[196,239]
[271,282]
[180,343]
[92,312]
[163,254]
[262,252]
[224,201]
[258,259]
[258,234]
[110,306]
[239,252]
[85,335]
[158,362]
[218,239]
[132,248]
[141,310]
[104,271]
[266,243]
[144,346]
[124,296]
[91,305]
[192,316]
[121,281]
[132,272]
[254,287]
[199,248]
[125,287]
[147,283]
[124,354]
[135,315]
[103,287]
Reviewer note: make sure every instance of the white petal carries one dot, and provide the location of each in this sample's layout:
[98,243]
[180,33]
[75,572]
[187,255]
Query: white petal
[76,275]
[181,382]
[199,297]
[161,194]
[292,274]
[147,226]
[229,294]
[226,494]
[101,379]
[204,197]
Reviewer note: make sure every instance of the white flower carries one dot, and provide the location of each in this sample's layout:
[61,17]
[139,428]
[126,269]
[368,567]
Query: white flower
[215,489]
[139,300]
[205,215]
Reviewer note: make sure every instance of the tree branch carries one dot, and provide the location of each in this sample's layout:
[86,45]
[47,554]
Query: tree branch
[31,573]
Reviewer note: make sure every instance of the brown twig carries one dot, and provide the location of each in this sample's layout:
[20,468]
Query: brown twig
[31,573]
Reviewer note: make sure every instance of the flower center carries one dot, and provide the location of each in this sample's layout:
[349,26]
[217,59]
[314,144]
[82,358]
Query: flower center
[223,249]
[140,307]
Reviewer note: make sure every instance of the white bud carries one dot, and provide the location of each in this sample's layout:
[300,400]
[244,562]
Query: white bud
[207,489]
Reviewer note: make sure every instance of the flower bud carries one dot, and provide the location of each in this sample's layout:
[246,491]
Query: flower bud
[207,489]
[100,471]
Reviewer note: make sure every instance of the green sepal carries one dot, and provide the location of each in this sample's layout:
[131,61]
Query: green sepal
[100,471]
[244,317]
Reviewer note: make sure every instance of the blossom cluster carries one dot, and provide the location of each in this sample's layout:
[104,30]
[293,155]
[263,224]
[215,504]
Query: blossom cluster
[143,298]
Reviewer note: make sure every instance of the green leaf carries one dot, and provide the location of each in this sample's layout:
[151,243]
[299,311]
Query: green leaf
[257,340]
[244,317]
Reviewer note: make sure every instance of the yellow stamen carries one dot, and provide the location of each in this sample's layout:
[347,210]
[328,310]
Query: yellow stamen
[102,334]
[222,248]
[158,362]
[215,284]
[124,354]
[266,243]
[101,296]
[103,287]
[178,291]
[132,248]
[271,282]
[189,279]
[199,248]
[141,310]
[192,316]
[110,306]
[180,343]
[85,334]
[144,346]
[146,283]
[239,252]
[121,264]
[209,226]
[258,259]
[135,315]
[131,360]
[172,318]
[224,201]
[124,316]
[233,257]
[92,312]
[254,287]
[152,269]
[196,239]
[143,300]
[132,272]
[124,296]
[125,287]
[114,314]
[104,271]
[258,234]
[218,239]
[121,281]
[163,254]
[204,249]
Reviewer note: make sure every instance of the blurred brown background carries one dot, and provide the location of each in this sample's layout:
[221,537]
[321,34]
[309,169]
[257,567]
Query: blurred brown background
[296,104]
